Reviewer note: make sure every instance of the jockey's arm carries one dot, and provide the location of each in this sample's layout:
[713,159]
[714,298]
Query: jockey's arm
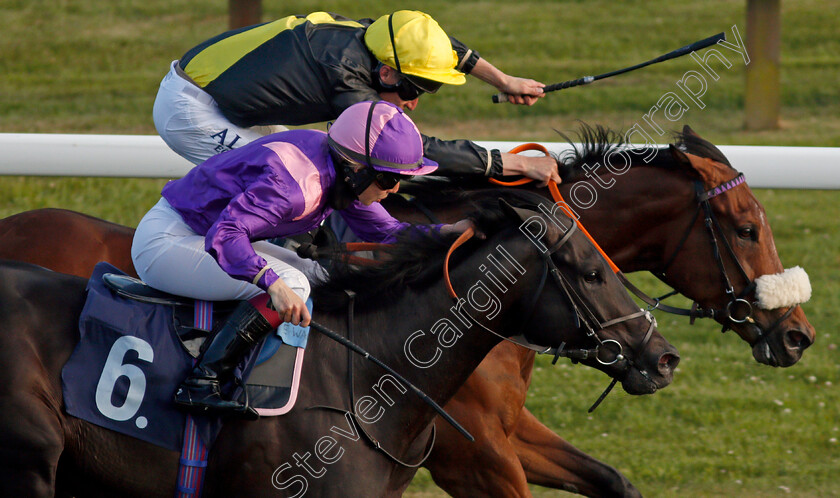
[520,90]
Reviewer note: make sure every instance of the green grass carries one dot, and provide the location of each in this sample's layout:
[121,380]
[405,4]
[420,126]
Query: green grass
[83,66]
[727,426]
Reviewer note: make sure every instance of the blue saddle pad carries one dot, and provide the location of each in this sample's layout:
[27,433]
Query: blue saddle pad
[127,365]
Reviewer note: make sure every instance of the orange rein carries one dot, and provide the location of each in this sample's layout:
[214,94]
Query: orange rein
[465,236]
[363,246]
[555,194]
[469,233]
[372,246]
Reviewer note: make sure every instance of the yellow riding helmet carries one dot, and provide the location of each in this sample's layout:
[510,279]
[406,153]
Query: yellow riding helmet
[422,47]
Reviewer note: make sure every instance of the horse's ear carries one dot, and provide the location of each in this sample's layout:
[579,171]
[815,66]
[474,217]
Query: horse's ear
[685,162]
[689,132]
[514,213]
[678,155]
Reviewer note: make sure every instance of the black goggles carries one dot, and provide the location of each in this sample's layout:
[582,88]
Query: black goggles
[360,180]
[407,90]
[386,180]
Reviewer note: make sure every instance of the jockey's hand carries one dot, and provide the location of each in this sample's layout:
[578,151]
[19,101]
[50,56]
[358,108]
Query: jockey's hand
[461,227]
[522,91]
[288,304]
[543,168]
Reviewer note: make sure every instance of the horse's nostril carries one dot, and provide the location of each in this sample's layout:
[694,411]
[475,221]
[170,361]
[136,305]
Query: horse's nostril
[795,339]
[668,362]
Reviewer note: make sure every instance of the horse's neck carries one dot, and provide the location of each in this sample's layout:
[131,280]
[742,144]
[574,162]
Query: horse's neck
[634,219]
[408,338]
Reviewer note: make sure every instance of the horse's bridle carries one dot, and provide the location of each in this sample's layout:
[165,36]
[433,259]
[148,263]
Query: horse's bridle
[579,306]
[738,309]
[583,313]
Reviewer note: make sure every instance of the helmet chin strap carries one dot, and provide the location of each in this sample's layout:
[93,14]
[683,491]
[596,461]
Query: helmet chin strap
[351,183]
[358,181]
[379,85]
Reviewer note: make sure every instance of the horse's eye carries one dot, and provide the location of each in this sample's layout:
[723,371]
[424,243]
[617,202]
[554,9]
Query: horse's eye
[747,233]
[592,277]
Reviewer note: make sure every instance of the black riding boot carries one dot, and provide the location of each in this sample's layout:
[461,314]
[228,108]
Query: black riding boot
[201,391]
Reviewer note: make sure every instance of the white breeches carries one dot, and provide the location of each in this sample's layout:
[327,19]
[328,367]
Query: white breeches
[170,256]
[190,122]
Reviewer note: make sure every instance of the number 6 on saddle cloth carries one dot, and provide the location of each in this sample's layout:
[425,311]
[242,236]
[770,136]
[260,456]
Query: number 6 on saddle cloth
[136,346]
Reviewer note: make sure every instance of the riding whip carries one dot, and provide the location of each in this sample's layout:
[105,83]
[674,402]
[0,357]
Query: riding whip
[425,397]
[352,346]
[698,45]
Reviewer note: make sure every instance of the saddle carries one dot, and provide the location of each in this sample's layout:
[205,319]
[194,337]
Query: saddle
[136,344]
[277,365]
[191,328]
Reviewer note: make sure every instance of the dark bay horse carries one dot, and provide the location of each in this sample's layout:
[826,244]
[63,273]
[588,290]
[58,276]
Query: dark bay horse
[640,221]
[77,243]
[558,286]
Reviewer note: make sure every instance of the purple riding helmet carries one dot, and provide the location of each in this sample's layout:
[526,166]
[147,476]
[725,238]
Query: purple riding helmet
[382,138]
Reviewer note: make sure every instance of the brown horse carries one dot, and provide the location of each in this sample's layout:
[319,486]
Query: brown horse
[44,452]
[81,241]
[640,221]
[646,220]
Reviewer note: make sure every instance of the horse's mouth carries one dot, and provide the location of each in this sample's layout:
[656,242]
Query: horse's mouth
[639,384]
[647,377]
[779,350]
[638,381]
[763,354]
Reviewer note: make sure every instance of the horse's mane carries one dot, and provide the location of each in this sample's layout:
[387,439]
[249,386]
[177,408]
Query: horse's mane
[416,260]
[593,144]
[590,145]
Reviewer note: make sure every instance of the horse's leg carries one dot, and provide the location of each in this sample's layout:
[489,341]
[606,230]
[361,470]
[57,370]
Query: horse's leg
[39,313]
[487,405]
[551,461]
[487,467]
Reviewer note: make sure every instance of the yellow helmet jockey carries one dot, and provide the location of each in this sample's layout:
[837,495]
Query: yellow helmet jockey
[415,45]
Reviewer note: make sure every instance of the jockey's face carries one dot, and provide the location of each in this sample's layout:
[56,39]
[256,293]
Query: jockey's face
[405,105]
[375,193]
[390,76]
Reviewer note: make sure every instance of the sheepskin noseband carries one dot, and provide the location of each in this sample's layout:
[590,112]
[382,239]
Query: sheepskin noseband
[782,290]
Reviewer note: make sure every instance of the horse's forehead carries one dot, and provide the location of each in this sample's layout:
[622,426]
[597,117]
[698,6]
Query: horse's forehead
[741,204]
[579,252]
[742,207]
[737,201]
